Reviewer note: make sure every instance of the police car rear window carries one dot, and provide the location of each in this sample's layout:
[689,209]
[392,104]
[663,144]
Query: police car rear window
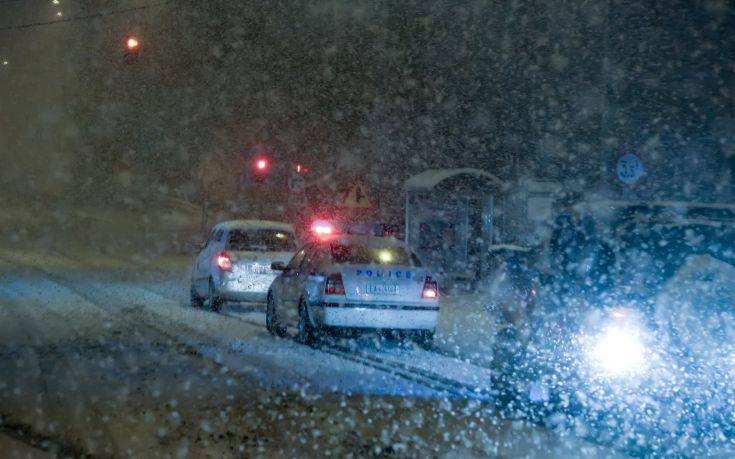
[363,255]
[264,240]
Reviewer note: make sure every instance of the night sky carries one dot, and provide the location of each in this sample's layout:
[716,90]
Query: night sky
[548,89]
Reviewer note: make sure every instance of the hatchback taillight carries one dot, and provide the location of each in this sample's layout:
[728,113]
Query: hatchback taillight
[224,262]
[431,290]
[334,285]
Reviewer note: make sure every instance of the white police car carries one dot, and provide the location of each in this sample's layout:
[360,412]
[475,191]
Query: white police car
[234,264]
[355,282]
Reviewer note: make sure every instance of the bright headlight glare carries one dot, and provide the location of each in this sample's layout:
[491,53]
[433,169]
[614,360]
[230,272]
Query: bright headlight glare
[619,352]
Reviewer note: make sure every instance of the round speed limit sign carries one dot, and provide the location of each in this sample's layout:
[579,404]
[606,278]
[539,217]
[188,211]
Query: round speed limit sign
[629,168]
[296,184]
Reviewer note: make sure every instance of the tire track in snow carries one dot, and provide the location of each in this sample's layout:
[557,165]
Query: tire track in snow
[408,372]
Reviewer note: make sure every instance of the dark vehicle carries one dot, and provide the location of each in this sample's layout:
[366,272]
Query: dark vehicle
[617,335]
[514,282]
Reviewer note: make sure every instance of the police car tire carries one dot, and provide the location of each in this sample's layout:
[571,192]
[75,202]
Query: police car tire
[305,330]
[196,300]
[215,302]
[425,338]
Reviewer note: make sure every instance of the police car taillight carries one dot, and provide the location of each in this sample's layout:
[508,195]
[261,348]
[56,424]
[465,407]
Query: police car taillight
[431,290]
[334,285]
[224,262]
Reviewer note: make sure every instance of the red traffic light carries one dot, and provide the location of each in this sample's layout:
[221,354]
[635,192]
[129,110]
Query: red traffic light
[261,164]
[132,49]
[132,43]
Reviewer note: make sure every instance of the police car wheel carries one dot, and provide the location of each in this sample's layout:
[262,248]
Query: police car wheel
[424,338]
[215,302]
[196,300]
[305,330]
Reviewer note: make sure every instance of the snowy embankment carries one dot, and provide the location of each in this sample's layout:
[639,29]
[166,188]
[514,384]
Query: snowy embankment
[466,328]
[167,229]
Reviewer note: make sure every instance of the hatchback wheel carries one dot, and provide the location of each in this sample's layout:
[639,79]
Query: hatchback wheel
[215,302]
[196,300]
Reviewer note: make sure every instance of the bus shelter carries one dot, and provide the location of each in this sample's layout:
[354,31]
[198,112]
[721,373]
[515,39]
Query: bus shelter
[452,217]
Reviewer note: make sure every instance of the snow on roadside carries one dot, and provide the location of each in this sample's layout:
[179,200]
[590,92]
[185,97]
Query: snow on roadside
[14,449]
[697,302]
[466,328]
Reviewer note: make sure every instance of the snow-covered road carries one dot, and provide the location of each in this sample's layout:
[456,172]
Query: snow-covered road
[102,355]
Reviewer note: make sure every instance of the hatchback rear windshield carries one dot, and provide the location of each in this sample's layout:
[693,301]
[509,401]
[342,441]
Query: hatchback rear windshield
[263,240]
[363,255]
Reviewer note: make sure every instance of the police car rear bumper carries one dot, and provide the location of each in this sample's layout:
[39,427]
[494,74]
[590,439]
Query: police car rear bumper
[381,316]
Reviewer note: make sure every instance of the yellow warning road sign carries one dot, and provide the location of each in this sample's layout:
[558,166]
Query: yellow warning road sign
[358,197]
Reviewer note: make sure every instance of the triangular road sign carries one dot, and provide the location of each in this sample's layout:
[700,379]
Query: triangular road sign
[358,197]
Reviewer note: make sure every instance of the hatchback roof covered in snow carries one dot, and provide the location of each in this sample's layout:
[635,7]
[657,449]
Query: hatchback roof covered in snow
[256,225]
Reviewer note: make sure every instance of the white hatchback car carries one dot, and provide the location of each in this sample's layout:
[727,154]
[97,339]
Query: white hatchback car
[234,264]
[355,282]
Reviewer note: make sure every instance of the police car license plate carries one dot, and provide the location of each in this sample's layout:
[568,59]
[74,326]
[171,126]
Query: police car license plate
[381,289]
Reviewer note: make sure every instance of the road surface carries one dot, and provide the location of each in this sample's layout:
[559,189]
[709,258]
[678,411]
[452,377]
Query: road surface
[103,356]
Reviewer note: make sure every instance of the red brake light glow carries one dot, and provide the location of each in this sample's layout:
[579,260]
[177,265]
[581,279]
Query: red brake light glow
[322,228]
[334,285]
[132,43]
[224,262]
[431,290]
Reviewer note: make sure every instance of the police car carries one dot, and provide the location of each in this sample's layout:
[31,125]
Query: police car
[234,264]
[353,281]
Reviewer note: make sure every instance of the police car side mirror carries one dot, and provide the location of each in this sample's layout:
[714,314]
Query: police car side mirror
[278,266]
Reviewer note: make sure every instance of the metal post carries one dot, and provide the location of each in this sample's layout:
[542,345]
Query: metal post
[406,218]
[466,231]
[204,217]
